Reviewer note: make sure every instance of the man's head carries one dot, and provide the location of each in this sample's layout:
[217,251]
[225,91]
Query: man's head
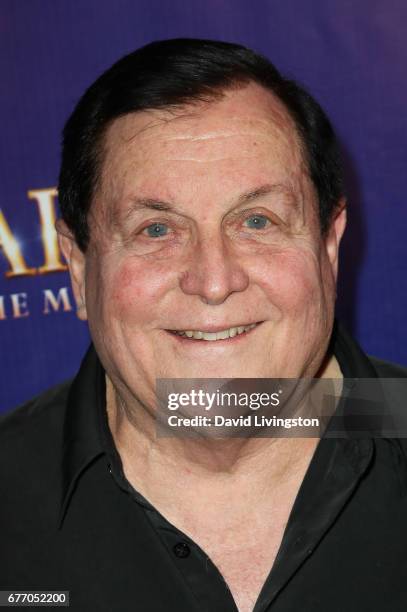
[203,193]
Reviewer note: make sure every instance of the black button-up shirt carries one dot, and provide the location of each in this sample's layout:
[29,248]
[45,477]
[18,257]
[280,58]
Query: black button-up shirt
[70,520]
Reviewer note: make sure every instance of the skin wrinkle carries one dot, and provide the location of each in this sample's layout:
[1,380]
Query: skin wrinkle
[139,204]
[114,218]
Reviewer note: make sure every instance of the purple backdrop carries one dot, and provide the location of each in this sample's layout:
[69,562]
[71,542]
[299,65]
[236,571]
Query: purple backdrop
[351,56]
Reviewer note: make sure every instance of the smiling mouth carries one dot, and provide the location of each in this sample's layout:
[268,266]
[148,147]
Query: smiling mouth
[211,336]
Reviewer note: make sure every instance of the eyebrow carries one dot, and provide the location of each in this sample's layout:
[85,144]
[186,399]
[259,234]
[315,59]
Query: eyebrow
[144,204]
[262,191]
[245,198]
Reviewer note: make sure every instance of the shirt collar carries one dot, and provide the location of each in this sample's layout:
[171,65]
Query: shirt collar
[85,437]
[354,365]
[353,362]
[82,438]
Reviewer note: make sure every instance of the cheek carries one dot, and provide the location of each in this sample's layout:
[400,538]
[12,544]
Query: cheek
[292,280]
[136,288]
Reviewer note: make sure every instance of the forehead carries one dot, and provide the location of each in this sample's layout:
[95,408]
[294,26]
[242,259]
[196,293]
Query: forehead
[245,133]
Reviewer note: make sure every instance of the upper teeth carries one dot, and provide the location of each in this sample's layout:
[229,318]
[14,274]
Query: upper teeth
[220,335]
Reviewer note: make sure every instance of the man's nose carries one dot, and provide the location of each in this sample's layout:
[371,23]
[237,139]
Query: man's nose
[214,272]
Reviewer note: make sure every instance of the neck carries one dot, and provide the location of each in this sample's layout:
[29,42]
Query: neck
[160,465]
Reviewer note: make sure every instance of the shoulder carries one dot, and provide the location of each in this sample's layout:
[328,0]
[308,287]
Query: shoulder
[387,369]
[395,392]
[393,383]
[31,460]
[31,452]
[36,425]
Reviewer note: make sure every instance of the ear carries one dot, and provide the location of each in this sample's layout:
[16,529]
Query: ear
[334,235]
[76,261]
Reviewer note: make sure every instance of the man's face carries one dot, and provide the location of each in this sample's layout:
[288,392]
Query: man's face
[206,221]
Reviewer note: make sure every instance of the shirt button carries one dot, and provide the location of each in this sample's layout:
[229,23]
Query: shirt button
[182,550]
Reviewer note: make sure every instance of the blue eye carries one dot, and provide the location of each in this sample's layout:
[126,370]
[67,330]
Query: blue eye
[156,230]
[257,221]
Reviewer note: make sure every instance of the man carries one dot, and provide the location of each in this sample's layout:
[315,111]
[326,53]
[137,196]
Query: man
[202,212]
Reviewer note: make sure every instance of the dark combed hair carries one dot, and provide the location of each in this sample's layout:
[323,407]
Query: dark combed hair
[173,73]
